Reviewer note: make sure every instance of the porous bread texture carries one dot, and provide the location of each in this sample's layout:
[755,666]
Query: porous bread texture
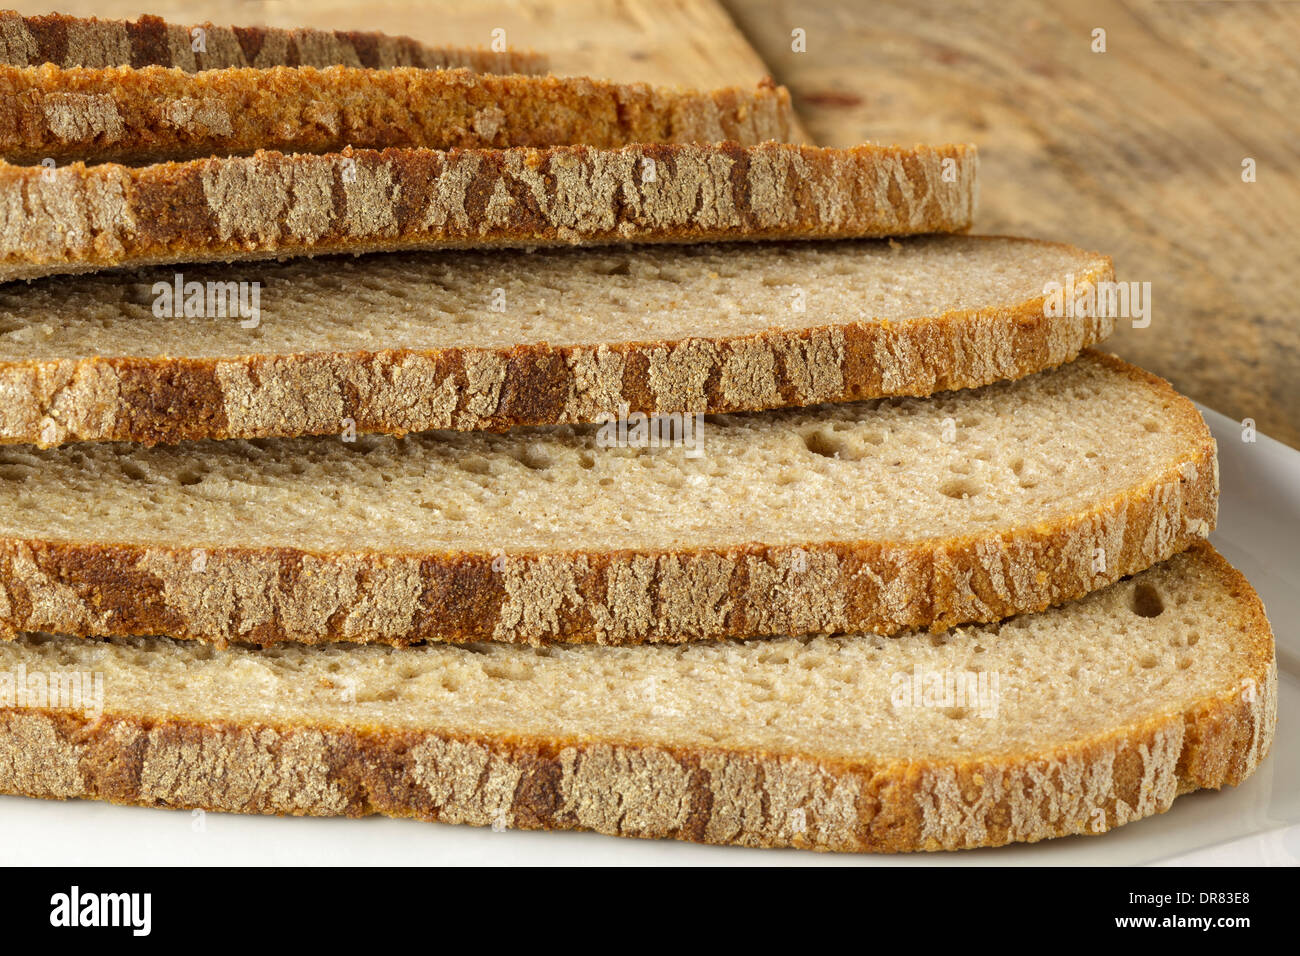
[150,41]
[270,205]
[1105,710]
[154,114]
[467,340]
[878,516]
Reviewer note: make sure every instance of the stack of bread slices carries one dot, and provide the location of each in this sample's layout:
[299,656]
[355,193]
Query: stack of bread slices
[649,474]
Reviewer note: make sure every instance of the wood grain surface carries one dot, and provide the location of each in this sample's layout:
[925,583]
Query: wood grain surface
[1136,152]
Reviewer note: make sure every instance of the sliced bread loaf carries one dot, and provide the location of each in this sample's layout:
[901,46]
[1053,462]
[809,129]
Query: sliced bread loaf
[1071,721]
[468,340]
[78,218]
[150,41]
[153,114]
[876,516]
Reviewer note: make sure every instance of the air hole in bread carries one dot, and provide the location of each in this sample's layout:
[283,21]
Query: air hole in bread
[133,471]
[1149,661]
[508,670]
[475,465]
[189,476]
[960,488]
[823,441]
[534,457]
[1146,601]
[1151,425]
[956,713]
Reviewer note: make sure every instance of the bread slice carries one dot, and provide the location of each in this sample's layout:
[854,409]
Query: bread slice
[877,516]
[154,114]
[394,342]
[270,205]
[150,41]
[1071,721]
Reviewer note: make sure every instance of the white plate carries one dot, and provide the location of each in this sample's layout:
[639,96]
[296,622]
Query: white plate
[1258,822]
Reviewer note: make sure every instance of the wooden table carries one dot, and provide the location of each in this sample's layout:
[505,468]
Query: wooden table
[1136,151]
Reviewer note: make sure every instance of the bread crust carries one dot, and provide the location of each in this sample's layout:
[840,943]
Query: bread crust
[83,218]
[623,597]
[631,788]
[176,398]
[154,114]
[150,41]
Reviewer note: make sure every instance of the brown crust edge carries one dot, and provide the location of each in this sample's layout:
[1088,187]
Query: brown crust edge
[77,218]
[122,115]
[148,41]
[570,597]
[757,799]
[174,399]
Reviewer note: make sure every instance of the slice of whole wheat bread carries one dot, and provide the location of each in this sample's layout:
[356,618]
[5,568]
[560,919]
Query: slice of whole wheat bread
[153,114]
[150,41]
[269,205]
[883,515]
[399,343]
[1071,721]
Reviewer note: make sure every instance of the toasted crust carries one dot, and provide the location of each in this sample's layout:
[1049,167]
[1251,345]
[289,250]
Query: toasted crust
[758,799]
[78,218]
[626,597]
[150,41]
[136,117]
[178,398]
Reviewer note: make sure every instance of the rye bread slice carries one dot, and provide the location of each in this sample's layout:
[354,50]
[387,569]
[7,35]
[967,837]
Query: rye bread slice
[881,515]
[402,343]
[81,218]
[153,114]
[1081,718]
[151,41]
